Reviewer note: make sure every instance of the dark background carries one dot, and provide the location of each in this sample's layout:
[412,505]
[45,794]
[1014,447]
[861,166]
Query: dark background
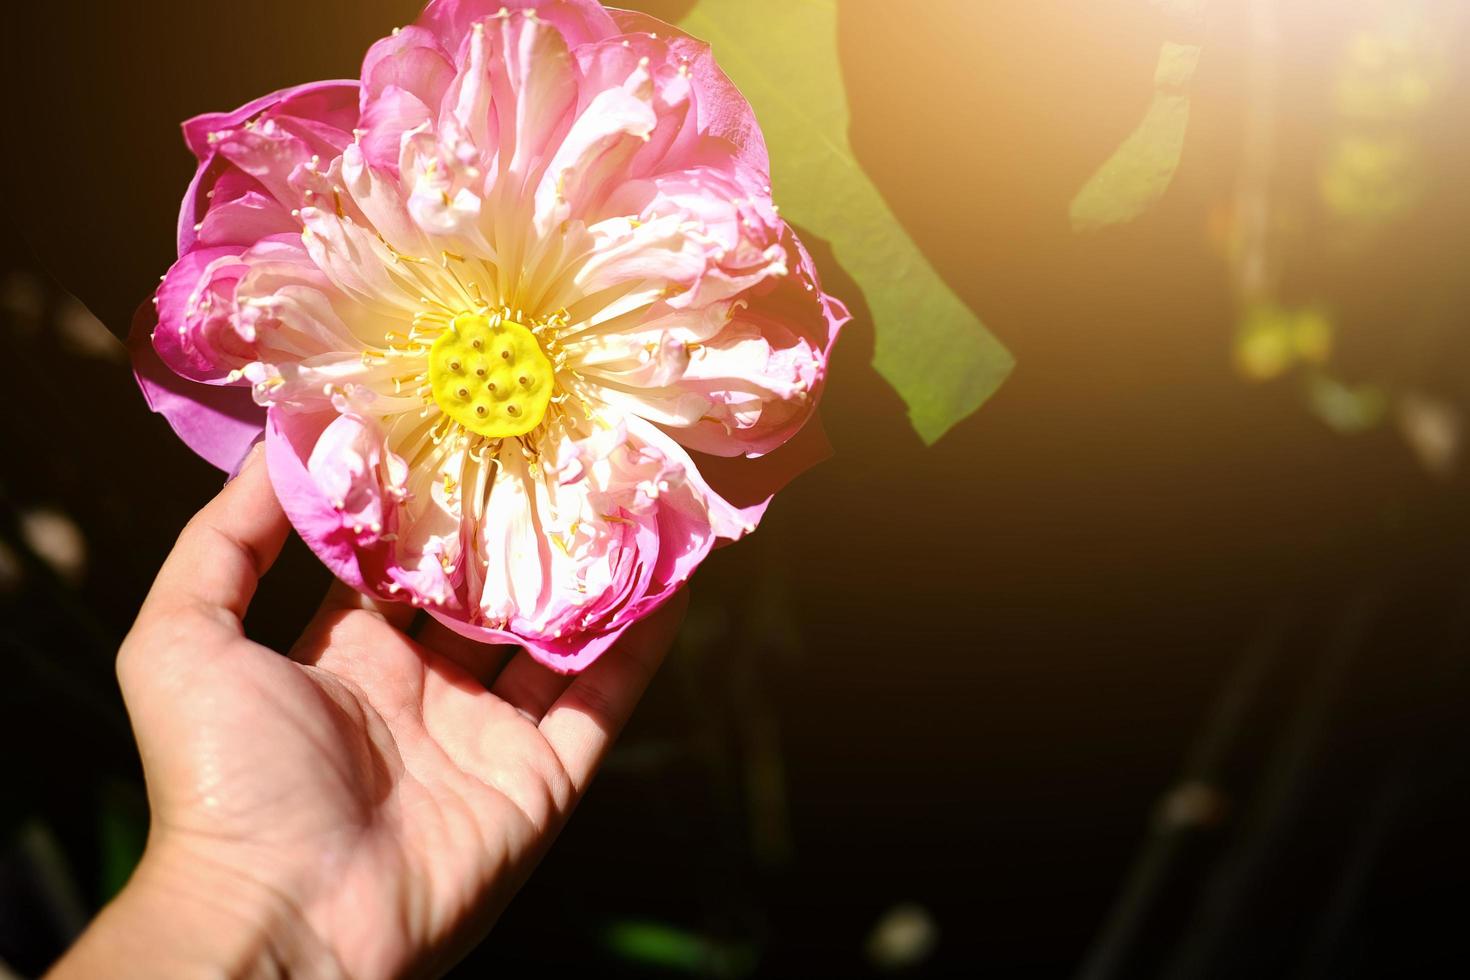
[1144,670]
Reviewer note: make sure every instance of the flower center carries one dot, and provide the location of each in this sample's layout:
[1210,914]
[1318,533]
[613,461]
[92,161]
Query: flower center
[490,375]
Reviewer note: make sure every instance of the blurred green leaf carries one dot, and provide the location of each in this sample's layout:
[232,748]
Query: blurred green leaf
[1272,339]
[1263,344]
[1141,169]
[122,832]
[666,946]
[929,345]
[652,942]
[1396,63]
[1348,409]
[1373,178]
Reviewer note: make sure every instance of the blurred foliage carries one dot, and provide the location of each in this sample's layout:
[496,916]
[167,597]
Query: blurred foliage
[1346,408]
[655,944]
[1139,172]
[1372,178]
[1141,169]
[929,345]
[1387,76]
[1271,340]
[1390,73]
[122,831]
[1392,70]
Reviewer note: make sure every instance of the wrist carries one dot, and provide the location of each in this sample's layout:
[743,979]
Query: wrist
[183,915]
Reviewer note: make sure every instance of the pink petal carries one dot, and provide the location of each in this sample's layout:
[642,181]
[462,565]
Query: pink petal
[218,423]
[579,21]
[410,59]
[333,102]
[385,119]
[290,439]
[243,220]
[722,111]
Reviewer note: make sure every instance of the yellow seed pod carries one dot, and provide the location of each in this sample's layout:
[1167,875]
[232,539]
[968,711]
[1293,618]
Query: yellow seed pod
[493,379]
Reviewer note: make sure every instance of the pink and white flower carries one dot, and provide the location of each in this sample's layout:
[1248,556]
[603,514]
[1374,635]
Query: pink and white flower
[488,306]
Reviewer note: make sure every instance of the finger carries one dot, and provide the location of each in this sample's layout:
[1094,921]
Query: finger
[583,722]
[483,661]
[225,548]
[342,597]
[332,617]
[529,686]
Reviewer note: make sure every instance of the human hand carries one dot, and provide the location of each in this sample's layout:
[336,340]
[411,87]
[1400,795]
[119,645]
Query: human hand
[365,806]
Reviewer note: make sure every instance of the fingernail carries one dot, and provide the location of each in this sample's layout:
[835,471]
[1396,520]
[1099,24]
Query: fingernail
[255,451]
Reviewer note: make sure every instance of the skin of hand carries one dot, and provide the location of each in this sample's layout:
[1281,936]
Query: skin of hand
[363,807]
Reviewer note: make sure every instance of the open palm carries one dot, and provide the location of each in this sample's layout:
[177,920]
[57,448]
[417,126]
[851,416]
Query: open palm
[385,793]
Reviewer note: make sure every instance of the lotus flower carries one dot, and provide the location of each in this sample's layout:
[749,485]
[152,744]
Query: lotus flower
[498,309]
